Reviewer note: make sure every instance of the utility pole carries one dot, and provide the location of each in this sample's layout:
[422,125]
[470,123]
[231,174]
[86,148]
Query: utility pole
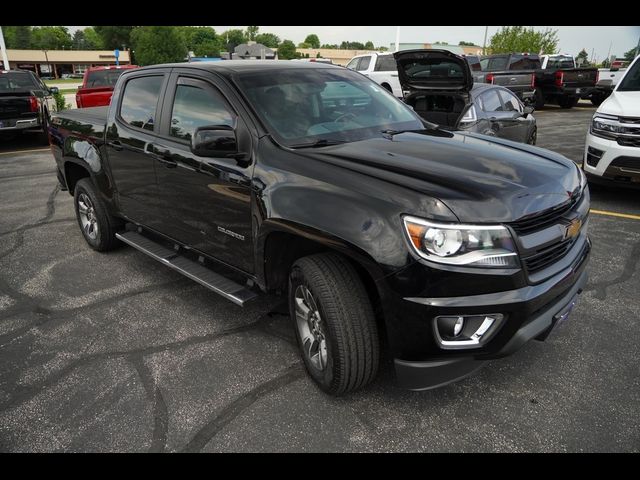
[397,39]
[48,64]
[5,59]
[484,43]
[609,52]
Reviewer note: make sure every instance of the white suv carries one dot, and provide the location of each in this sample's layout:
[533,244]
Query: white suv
[612,150]
[379,67]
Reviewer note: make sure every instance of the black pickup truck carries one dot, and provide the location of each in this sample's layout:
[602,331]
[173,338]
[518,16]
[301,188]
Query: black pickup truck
[25,103]
[311,181]
[559,81]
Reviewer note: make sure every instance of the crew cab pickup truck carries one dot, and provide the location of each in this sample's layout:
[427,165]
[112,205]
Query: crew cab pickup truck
[515,71]
[559,81]
[25,104]
[312,181]
[97,85]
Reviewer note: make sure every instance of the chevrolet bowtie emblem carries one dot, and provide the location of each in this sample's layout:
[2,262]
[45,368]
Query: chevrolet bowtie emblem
[573,229]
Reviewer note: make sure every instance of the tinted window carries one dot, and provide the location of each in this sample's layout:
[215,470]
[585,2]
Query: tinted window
[438,69]
[474,62]
[103,78]
[139,101]
[491,101]
[195,107]
[497,64]
[484,63]
[511,102]
[386,63]
[560,62]
[364,63]
[524,63]
[17,81]
[631,80]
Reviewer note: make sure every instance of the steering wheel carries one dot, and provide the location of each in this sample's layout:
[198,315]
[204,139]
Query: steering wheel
[345,116]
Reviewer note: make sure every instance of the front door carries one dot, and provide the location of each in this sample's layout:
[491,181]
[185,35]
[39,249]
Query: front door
[205,202]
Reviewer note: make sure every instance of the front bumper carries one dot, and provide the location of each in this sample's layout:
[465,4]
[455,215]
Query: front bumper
[530,311]
[605,168]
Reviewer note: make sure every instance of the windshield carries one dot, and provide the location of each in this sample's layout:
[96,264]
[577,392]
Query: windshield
[16,82]
[305,106]
[560,62]
[631,81]
[103,78]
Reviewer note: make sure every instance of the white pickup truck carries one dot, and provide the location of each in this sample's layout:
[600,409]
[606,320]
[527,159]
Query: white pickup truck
[607,81]
[379,67]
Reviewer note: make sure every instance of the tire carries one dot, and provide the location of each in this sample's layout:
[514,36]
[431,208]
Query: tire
[340,313]
[539,100]
[533,136]
[568,102]
[97,226]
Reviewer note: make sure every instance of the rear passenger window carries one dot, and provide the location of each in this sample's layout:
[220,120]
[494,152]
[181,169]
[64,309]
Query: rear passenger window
[364,64]
[511,103]
[195,107]
[353,63]
[386,63]
[491,101]
[139,101]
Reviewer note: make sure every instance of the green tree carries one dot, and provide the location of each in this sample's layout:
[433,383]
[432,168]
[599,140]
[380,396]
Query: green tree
[23,37]
[440,43]
[252,32]
[352,46]
[466,44]
[585,58]
[631,54]
[94,41]
[79,40]
[304,45]
[202,41]
[318,55]
[270,40]
[114,36]
[523,39]
[330,46]
[312,40]
[369,45]
[383,49]
[287,50]
[158,44]
[51,38]
[605,63]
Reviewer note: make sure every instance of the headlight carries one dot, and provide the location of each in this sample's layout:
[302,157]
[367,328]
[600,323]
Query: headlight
[610,126]
[465,245]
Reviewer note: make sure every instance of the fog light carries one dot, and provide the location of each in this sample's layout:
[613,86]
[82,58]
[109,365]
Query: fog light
[457,328]
[466,331]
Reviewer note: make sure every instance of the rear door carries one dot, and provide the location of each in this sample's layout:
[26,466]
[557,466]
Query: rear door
[132,127]
[500,118]
[514,125]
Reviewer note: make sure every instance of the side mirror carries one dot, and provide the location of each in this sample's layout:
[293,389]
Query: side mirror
[215,141]
[528,110]
[54,90]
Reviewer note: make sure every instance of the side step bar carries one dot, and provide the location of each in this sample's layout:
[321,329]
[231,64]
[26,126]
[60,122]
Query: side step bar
[208,278]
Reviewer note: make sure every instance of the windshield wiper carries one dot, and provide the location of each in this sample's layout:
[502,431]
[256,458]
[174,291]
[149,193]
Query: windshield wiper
[391,132]
[323,142]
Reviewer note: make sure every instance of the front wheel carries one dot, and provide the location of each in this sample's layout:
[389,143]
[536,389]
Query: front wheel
[334,323]
[533,136]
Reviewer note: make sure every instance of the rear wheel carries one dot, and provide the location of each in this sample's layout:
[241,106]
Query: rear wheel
[334,323]
[533,136]
[97,226]
[568,102]
[539,100]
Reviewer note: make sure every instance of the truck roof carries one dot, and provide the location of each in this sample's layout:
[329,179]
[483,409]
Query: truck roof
[234,66]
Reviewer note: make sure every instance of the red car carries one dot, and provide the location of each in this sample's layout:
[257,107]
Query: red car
[97,86]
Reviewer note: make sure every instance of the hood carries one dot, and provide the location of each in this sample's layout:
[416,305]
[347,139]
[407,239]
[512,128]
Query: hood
[623,104]
[481,180]
[433,70]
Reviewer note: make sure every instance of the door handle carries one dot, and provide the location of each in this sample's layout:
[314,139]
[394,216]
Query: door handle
[162,154]
[116,145]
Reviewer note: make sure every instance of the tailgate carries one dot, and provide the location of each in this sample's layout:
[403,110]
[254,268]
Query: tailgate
[510,79]
[15,105]
[94,97]
[579,77]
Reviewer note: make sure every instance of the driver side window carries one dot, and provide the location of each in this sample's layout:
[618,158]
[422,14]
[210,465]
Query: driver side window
[195,107]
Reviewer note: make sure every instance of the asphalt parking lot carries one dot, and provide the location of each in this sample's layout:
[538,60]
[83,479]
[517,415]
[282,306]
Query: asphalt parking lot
[115,352]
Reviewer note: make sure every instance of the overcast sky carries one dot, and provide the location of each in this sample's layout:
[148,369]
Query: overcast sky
[572,39]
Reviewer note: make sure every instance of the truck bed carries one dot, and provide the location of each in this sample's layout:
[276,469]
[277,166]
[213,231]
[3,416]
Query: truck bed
[88,122]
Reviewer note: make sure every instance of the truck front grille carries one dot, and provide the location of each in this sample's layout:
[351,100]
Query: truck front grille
[545,219]
[545,257]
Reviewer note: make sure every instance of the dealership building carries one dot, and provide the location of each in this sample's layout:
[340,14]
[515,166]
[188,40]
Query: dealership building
[56,63]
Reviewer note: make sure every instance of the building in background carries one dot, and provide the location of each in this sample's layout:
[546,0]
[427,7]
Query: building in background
[251,51]
[55,63]
[457,49]
[338,57]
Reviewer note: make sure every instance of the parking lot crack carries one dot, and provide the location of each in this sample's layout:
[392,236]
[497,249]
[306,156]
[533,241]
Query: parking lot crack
[237,407]
[630,267]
